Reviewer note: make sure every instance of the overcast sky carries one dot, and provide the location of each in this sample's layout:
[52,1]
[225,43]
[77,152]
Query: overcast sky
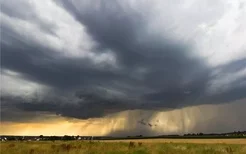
[82,59]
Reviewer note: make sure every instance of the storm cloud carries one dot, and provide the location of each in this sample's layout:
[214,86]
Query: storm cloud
[83,59]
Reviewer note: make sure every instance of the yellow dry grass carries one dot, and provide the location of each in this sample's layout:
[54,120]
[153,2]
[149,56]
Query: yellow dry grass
[197,141]
[141,146]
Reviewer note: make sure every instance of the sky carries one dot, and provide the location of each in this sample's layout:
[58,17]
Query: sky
[151,67]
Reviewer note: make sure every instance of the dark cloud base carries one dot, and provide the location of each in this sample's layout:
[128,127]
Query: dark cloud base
[173,76]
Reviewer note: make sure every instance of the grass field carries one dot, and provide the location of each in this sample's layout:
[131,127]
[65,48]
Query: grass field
[197,141]
[147,146]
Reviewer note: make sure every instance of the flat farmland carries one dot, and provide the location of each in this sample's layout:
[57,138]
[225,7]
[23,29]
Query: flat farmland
[195,141]
[134,146]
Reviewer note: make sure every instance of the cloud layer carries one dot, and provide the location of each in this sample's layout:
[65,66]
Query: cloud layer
[82,59]
[196,119]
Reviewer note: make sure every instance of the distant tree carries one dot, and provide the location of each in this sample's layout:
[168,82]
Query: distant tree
[200,134]
[41,136]
[66,137]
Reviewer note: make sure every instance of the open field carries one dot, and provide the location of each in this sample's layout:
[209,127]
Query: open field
[197,141]
[145,146]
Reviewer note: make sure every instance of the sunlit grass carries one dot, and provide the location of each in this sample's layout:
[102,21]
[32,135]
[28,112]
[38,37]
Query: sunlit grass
[117,147]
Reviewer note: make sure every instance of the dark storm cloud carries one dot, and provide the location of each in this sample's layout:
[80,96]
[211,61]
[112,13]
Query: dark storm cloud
[154,71]
[21,13]
[46,69]
[233,67]
[92,106]
[167,61]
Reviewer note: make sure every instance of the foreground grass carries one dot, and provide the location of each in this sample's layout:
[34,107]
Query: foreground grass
[83,147]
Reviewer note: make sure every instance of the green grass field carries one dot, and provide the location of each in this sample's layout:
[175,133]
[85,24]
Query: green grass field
[118,147]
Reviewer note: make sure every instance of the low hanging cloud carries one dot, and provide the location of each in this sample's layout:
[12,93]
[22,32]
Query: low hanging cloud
[84,60]
[194,119]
